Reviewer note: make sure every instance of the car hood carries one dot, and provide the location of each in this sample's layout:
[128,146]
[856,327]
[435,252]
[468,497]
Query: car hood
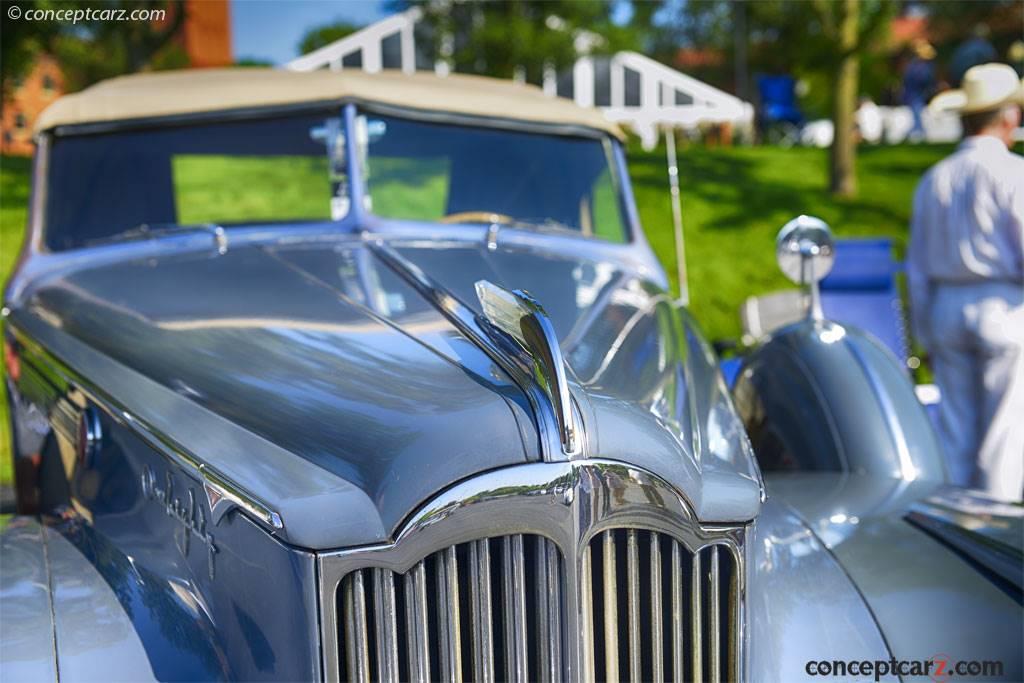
[317,349]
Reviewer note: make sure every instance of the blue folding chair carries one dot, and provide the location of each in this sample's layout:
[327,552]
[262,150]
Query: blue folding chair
[779,116]
[861,291]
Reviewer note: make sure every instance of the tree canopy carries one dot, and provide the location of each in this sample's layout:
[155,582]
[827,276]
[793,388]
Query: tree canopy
[90,50]
[319,36]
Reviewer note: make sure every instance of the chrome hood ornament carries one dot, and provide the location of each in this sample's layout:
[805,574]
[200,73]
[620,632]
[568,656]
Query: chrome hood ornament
[520,316]
[516,333]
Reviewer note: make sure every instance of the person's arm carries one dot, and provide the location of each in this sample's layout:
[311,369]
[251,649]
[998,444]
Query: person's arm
[918,285]
[1016,218]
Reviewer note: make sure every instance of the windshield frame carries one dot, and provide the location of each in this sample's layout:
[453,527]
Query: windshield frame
[358,218]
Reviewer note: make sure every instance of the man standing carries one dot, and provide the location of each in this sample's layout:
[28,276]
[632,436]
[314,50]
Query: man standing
[972,52]
[965,270]
[918,85]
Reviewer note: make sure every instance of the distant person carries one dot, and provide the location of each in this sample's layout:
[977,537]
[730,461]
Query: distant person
[1015,56]
[869,121]
[972,52]
[966,281]
[919,85]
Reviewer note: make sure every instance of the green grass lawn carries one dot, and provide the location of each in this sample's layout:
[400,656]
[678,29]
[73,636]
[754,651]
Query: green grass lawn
[14,189]
[734,202]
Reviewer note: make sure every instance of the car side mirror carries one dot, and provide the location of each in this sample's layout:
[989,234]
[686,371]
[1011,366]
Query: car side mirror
[806,252]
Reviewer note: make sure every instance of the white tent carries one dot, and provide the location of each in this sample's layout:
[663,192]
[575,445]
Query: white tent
[628,87]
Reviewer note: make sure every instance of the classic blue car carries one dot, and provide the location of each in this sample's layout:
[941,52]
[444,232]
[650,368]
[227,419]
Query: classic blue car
[333,376]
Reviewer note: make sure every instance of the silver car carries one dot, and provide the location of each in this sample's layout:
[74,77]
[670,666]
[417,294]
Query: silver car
[333,376]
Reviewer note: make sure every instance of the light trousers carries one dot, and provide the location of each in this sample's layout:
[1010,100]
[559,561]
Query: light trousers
[977,351]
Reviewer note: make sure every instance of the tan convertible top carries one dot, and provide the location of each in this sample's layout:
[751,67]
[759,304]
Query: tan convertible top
[170,93]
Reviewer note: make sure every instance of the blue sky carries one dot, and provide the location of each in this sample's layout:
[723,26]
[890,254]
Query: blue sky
[271,29]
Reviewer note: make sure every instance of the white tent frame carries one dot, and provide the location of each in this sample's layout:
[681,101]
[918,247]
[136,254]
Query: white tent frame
[709,104]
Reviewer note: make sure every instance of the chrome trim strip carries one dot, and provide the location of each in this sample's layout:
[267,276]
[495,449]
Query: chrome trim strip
[455,619]
[657,631]
[611,608]
[714,647]
[696,644]
[587,671]
[359,657]
[633,603]
[480,568]
[545,610]
[417,623]
[222,494]
[570,503]
[554,602]
[678,663]
[385,616]
[40,189]
[515,609]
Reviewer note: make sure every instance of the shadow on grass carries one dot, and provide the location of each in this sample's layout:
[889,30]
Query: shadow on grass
[746,187]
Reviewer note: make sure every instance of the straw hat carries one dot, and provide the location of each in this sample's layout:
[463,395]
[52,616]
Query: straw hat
[985,87]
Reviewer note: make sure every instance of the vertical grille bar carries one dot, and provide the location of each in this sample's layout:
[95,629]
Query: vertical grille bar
[451,577]
[633,603]
[544,608]
[444,664]
[515,609]
[714,631]
[480,568]
[386,624]
[554,591]
[611,609]
[657,630]
[735,618]
[696,645]
[587,609]
[678,661]
[358,656]
[417,623]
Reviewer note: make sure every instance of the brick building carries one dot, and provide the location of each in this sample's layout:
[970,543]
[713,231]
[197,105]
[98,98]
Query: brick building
[205,37]
[32,94]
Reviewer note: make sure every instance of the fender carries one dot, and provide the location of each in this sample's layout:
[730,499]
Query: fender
[799,596]
[62,619]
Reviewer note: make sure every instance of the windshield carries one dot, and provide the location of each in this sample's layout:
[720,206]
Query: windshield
[463,174]
[131,184]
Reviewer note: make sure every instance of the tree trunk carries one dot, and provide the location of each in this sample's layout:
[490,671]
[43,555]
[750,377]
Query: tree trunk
[843,178]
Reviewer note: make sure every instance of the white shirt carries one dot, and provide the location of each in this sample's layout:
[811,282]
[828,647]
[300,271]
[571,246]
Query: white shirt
[968,223]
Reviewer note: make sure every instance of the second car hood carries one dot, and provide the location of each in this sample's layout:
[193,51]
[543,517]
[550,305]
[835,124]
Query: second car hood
[928,597]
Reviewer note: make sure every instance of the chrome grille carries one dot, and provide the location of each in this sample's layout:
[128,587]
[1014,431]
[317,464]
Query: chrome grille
[493,610]
[586,571]
[659,612]
[485,610]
